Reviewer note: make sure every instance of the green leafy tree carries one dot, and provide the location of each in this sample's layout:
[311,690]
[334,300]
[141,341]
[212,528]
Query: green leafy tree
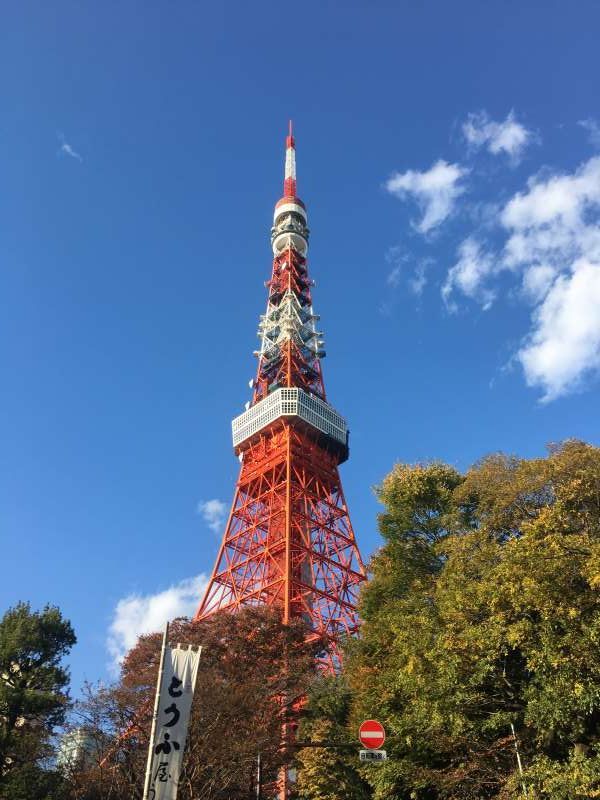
[329,773]
[481,632]
[33,698]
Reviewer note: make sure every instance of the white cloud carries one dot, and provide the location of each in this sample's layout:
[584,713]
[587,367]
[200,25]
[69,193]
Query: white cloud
[593,129]
[213,513]
[419,279]
[435,191]
[558,200]
[509,136]
[393,277]
[396,257]
[399,261]
[564,346]
[66,149]
[551,226]
[137,614]
[537,280]
[546,237]
[552,241]
[469,275]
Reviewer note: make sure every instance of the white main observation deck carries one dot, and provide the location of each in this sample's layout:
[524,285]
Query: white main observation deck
[292,402]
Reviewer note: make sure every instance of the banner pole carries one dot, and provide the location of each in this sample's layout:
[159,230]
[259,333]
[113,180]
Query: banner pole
[161,669]
[258,777]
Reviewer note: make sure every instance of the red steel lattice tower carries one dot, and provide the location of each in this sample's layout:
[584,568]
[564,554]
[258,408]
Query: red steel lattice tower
[289,541]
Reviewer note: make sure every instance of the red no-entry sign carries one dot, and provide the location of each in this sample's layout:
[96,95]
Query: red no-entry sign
[371,734]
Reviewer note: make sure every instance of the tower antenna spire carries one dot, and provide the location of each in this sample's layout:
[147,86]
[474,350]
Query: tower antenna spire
[289,181]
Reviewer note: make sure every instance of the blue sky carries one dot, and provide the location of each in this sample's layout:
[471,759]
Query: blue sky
[448,154]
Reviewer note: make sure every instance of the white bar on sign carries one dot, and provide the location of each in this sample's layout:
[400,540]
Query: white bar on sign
[373,755]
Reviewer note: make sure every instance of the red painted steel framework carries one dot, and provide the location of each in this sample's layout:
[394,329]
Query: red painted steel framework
[289,540]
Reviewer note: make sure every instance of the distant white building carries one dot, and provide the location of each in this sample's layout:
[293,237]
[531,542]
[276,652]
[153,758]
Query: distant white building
[76,749]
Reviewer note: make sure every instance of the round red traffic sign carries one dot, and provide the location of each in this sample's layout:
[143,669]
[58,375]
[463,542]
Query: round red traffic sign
[371,734]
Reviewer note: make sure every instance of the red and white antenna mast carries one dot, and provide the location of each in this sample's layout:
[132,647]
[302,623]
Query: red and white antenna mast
[289,181]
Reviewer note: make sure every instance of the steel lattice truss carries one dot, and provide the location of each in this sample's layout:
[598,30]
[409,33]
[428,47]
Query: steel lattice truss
[290,353]
[289,540]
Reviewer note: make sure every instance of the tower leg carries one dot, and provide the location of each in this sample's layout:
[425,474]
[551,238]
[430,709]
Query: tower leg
[283,792]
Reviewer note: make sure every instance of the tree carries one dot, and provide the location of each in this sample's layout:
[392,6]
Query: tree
[33,698]
[253,668]
[481,630]
[329,773]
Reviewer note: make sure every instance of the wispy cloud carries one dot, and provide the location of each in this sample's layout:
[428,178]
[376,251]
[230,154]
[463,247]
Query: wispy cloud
[469,275]
[435,191]
[593,129]
[138,614]
[395,257]
[213,512]
[393,276]
[66,149]
[403,273]
[418,281]
[509,136]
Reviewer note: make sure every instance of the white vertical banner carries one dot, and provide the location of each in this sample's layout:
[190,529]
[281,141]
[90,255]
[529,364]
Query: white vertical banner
[175,691]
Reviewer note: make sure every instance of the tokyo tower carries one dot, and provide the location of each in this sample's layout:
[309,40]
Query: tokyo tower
[289,541]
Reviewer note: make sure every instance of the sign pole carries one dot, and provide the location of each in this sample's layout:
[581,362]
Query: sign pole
[161,668]
[258,777]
